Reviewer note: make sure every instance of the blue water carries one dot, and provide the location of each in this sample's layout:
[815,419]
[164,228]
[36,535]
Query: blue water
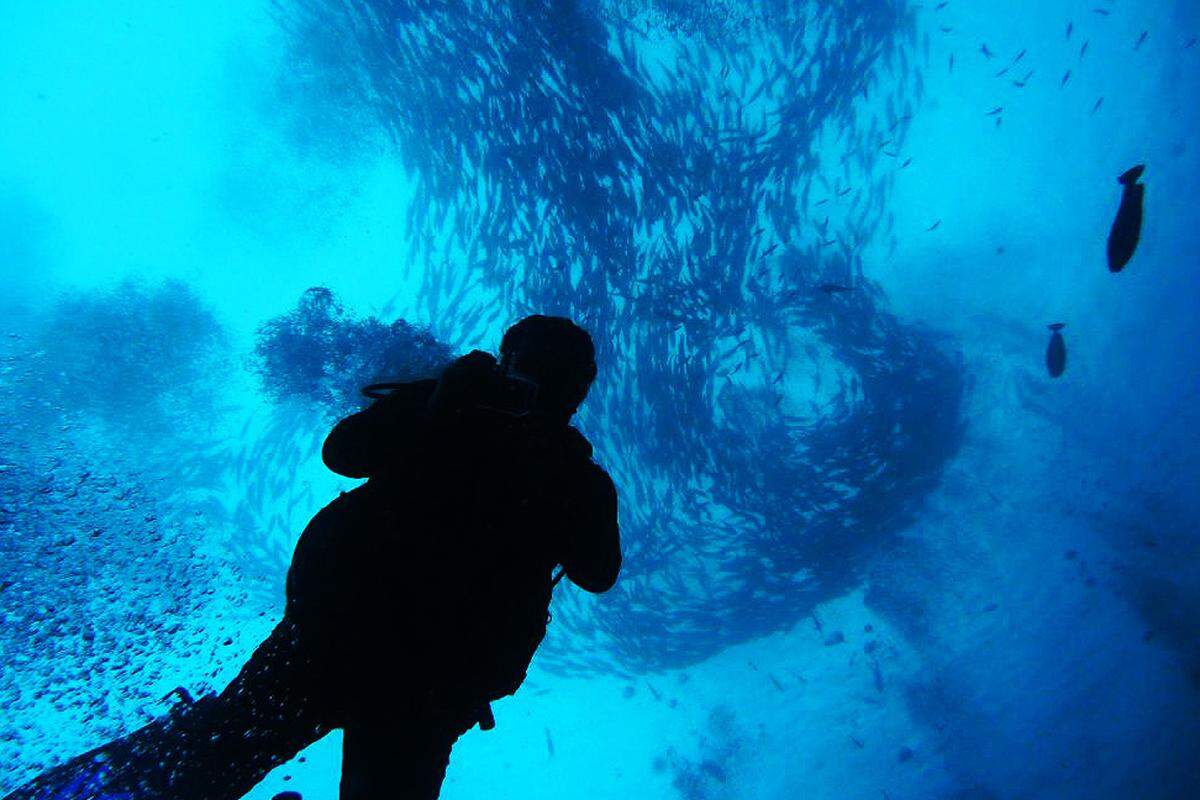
[873,550]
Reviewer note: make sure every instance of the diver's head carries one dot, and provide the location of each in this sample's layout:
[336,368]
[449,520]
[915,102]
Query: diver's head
[555,353]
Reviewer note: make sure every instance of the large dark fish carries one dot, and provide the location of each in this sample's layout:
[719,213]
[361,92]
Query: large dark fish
[1056,352]
[1127,227]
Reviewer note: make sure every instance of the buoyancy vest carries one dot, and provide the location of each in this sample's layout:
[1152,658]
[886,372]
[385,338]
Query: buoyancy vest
[439,574]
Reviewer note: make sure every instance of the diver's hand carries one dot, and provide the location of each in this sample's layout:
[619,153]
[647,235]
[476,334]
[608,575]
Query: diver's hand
[458,385]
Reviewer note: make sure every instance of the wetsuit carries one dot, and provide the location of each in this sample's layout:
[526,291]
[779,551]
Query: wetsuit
[475,509]
[412,601]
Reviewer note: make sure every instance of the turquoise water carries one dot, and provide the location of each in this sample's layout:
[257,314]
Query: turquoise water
[872,548]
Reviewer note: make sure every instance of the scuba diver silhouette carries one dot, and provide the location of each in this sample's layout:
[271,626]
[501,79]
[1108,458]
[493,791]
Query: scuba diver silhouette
[414,600]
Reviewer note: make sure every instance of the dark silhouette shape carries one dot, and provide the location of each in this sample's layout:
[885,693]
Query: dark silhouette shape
[414,600]
[1056,351]
[1127,227]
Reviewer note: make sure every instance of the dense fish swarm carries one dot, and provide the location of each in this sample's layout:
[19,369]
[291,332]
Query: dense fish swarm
[683,191]
[698,197]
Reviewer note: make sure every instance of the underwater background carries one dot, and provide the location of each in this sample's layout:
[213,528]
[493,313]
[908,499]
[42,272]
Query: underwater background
[872,548]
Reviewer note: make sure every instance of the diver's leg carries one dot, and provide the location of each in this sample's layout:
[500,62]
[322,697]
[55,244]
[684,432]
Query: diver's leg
[216,748]
[398,757]
[223,745]
[271,711]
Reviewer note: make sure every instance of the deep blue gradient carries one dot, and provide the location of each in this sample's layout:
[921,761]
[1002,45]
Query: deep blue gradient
[872,548]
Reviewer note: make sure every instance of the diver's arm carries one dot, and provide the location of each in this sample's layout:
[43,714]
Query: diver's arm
[592,551]
[375,438]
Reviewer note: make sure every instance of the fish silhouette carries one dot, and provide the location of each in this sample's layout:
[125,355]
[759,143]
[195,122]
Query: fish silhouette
[1056,351]
[1127,227]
